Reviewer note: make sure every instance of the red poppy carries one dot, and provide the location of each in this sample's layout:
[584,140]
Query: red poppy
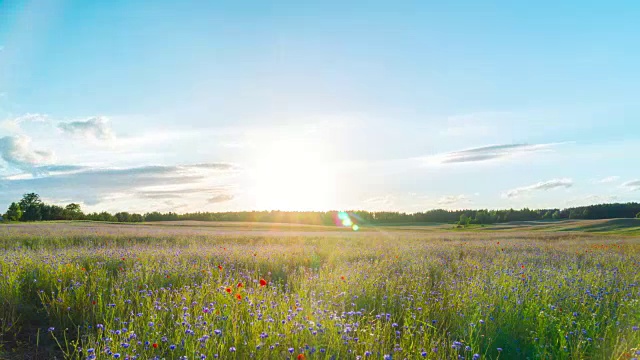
[300,357]
[93,302]
[498,242]
[239,284]
[523,266]
[342,277]
[155,345]
[228,289]
[238,296]
[168,276]
[220,267]
[122,259]
[263,282]
[83,269]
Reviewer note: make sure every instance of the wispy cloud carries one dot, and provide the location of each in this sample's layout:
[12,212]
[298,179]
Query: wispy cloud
[541,186]
[486,153]
[97,128]
[453,199]
[607,180]
[13,125]
[632,185]
[220,198]
[92,185]
[18,152]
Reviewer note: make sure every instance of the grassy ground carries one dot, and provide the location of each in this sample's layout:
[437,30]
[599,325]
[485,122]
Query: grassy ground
[83,290]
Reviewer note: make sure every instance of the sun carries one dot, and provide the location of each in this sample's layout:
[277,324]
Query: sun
[294,176]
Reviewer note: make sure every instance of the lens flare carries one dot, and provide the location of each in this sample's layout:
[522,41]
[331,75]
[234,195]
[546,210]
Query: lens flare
[343,219]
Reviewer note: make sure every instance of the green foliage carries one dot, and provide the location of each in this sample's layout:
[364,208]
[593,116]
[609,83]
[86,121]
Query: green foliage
[14,213]
[31,207]
[638,215]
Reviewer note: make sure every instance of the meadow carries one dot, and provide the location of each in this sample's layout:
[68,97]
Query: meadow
[241,291]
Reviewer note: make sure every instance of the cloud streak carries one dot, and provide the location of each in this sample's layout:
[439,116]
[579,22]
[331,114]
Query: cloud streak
[541,186]
[97,128]
[487,153]
[633,185]
[453,199]
[92,186]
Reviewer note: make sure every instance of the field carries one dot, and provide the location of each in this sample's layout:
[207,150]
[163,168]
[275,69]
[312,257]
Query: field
[259,291]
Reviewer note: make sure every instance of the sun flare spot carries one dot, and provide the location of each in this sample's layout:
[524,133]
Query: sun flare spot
[294,176]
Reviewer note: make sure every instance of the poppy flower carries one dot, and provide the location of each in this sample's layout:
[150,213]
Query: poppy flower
[155,345]
[228,289]
[220,267]
[238,296]
[300,357]
[93,302]
[341,277]
[263,282]
[239,284]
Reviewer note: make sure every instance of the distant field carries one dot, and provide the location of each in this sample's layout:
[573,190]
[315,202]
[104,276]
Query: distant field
[537,290]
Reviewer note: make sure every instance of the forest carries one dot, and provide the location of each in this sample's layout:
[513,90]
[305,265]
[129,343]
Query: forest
[32,208]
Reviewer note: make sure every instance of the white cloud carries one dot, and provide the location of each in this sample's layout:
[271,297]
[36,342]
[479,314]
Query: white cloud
[543,185]
[18,152]
[98,128]
[607,180]
[632,185]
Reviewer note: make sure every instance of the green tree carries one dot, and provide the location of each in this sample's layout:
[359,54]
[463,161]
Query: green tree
[73,212]
[14,213]
[31,205]
[638,215]
[464,220]
[556,215]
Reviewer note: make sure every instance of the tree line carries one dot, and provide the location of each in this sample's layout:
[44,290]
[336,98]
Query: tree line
[32,208]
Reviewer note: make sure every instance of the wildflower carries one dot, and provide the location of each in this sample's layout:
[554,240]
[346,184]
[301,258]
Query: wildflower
[217,331]
[291,350]
[220,267]
[228,289]
[300,357]
[155,345]
[423,354]
[51,329]
[172,347]
[238,296]
[116,355]
[476,357]
[263,282]
[499,349]
[239,284]
[232,349]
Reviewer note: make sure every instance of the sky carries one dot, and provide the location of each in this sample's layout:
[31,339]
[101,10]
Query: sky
[319,105]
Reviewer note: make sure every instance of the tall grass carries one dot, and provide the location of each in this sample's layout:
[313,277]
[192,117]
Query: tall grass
[397,295]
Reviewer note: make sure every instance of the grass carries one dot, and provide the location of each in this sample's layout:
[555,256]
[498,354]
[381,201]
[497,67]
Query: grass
[162,291]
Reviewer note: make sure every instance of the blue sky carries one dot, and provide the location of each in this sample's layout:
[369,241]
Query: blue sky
[235,105]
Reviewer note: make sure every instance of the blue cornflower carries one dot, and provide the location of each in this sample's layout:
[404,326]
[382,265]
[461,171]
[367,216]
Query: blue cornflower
[232,349]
